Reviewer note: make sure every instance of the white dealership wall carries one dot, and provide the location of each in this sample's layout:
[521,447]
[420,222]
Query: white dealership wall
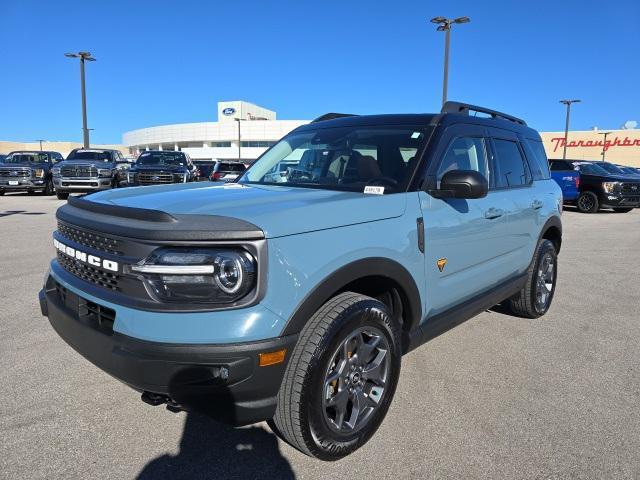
[200,140]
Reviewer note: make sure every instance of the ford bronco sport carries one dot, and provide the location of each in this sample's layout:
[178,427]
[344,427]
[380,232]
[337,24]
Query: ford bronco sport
[293,299]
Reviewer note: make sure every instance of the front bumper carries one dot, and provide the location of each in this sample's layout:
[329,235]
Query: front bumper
[221,380]
[616,200]
[23,185]
[89,184]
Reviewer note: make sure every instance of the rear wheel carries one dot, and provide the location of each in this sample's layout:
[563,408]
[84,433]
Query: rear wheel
[341,378]
[622,210]
[48,189]
[535,298]
[588,202]
[62,195]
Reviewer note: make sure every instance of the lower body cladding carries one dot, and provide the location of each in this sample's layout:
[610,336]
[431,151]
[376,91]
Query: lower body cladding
[224,381]
[81,185]
[23,185]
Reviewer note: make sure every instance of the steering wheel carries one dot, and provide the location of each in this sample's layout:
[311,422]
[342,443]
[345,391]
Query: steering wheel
[383,180]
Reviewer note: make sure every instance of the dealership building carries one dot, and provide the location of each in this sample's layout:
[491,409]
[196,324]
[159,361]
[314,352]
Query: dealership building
[244,131]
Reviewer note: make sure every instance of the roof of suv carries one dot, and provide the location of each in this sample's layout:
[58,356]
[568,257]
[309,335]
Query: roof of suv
[497,119]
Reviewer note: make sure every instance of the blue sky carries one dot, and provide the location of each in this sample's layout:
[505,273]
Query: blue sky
[169,62]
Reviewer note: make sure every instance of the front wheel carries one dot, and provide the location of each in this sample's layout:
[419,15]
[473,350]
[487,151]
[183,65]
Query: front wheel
[62,195]
[535,298]
[588,202]
[341,378]
[48,189]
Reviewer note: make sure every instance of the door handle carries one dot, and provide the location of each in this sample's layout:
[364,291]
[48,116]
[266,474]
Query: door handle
[536,204]
[493,213]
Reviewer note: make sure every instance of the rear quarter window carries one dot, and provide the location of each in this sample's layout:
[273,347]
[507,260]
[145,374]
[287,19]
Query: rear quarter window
[537,157]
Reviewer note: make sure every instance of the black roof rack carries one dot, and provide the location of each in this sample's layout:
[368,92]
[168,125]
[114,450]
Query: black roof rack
[465,108]
[331,116]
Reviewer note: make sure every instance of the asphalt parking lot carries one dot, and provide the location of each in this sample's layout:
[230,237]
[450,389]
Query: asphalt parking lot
[498,397]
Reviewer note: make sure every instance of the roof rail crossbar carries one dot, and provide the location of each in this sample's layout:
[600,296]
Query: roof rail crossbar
[331,116]
[465,108]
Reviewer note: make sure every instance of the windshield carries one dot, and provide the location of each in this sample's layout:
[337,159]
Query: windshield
[611,168]
[591,169]
[231,167]
[91,155]
[342,158]
[162,158]
[26,157]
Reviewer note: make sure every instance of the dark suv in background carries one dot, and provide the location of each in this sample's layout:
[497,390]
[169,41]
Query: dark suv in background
[155,167]
[87,170]
[227,171]
[28,171]
[599,188]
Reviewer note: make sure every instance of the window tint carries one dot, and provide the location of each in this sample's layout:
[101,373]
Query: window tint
[510,166]
[537,159]
[464,153]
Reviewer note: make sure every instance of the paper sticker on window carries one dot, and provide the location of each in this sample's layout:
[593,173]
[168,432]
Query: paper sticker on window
[374,190]
[416,135]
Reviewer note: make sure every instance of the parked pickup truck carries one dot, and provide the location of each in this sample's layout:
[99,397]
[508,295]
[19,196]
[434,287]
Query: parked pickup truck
[28,171]
[159,167]
[293,300]
[87,170]
[565,175]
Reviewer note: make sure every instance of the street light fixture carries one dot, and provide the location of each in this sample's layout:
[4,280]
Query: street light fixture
[604,144]
[84,57]
[444,25]
[566,125]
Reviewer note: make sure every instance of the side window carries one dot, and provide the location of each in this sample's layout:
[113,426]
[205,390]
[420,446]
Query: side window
[537,159]
[559,165]
[464,153]
[510,166]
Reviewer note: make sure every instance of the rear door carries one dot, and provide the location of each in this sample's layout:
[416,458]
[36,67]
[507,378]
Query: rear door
[464,238]
[519,199]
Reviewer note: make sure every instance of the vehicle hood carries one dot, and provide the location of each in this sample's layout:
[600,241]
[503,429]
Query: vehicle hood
[277,210]
[157,168]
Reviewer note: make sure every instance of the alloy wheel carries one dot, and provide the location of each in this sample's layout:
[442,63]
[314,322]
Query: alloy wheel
[355,381]
[544,282]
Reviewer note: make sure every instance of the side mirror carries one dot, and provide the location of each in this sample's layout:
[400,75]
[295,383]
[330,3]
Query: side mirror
[462,184]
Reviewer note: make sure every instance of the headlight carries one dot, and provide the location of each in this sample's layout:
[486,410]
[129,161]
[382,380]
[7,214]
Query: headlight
[200,275]
[38,173]
[104,172]
[610,187]
[55,171]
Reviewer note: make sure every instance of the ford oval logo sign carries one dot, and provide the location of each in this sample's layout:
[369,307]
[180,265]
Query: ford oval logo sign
[229,111]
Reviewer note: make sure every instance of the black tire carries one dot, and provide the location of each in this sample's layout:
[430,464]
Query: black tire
[526,303]
[622,210]
[1,193]
[588,202]
[48,189]
[62,195]
[301,417]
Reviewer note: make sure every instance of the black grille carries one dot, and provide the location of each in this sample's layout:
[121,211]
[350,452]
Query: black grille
[78,171]
[633,188]
[19,172]
[104,317]
[89,273]
[89,239]
[154,178]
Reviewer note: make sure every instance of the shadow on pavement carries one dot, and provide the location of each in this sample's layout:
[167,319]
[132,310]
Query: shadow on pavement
[8,213]
[216,451]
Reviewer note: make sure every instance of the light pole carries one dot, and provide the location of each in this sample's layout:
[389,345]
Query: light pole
[239,144]
[566,125]
[604,144]
[39,140]
[444,25]
[83,56]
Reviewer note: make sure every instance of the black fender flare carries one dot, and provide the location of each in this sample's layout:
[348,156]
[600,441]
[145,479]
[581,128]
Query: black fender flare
[552,222]
[365,267]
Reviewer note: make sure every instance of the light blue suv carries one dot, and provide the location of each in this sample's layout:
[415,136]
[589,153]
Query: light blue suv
[291,294]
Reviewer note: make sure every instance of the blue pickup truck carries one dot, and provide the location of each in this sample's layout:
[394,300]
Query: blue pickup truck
[565,175]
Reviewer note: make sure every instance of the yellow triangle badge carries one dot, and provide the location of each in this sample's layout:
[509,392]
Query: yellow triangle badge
[441,263]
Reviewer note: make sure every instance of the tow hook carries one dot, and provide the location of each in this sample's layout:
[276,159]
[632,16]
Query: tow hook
[156,399]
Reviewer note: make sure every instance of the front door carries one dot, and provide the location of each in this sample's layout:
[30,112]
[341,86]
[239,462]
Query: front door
[464,238]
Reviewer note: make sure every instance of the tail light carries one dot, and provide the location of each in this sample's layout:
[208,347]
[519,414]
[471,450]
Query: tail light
[216,176]
[577,181]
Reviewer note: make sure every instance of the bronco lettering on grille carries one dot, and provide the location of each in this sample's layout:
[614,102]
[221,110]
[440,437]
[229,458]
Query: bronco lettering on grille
[85,257]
